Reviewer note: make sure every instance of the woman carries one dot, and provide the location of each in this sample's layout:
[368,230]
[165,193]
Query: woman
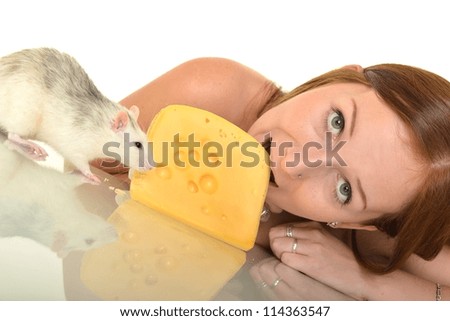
[366,150]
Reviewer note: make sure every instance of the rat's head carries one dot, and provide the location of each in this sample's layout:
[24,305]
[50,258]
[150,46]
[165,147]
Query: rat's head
[134,148]
[88,232]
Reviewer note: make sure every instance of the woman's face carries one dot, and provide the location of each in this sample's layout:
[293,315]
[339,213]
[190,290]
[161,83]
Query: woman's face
[338,153]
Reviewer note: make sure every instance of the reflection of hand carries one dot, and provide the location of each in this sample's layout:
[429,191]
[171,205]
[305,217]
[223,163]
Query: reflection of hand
[309,248]
[280,282]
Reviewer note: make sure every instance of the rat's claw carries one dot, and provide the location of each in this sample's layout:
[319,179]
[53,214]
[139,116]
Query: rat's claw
[92,179]
[26,147]
[87,177]
[38,153]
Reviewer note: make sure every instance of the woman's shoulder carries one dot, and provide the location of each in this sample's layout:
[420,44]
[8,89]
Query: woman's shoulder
[228,88]
[222,86]
[212,72]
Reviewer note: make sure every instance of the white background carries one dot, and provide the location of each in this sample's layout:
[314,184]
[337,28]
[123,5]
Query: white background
[125,44]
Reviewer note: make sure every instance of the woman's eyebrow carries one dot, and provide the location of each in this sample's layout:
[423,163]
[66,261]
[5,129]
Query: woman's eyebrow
[352,123]
[361,192]
[352,127]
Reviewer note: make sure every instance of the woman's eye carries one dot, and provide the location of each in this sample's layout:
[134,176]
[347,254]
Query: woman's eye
[343,191]
[335,122]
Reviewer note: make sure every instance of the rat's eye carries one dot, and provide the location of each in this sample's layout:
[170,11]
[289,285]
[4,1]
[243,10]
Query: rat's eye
[89,241]
[138,145]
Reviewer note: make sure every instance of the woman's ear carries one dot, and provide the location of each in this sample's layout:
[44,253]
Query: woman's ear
[357,68]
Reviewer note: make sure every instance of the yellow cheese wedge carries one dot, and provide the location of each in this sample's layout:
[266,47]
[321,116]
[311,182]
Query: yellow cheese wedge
[210,174]
[158,258]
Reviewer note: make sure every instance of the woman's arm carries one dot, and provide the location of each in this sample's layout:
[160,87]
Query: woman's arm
[417,277]
[407,286]
[324,257]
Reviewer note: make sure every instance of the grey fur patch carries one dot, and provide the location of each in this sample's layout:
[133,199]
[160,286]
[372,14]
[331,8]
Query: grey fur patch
[63,78]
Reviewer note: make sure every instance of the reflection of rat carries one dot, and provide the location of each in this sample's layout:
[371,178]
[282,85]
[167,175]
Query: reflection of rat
[47,96]
[73,230]
[42,204]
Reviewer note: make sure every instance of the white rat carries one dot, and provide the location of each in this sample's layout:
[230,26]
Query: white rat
[46,95]
[42,204]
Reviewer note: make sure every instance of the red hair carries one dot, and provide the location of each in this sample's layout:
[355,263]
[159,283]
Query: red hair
[422,100]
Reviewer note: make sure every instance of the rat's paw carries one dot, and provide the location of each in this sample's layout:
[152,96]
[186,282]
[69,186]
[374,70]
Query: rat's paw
[91,179]
[37,153]
[26,147]
[86,177]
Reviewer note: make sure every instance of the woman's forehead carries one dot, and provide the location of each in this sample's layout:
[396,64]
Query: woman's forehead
[380,153]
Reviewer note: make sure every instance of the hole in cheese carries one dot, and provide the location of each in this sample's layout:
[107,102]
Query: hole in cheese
[210,181]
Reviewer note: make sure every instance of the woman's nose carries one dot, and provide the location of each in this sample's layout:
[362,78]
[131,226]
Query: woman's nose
[302,160]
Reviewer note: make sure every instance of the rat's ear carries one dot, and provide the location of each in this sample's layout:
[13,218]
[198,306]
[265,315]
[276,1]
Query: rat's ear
[120,122]
[357,68]
[134,111]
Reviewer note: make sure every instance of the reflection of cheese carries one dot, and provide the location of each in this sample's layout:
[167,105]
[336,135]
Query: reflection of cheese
[210,175]
[158,258]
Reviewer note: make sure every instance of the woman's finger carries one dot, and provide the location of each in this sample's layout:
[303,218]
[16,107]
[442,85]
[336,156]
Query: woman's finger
[289,230]
[274,285]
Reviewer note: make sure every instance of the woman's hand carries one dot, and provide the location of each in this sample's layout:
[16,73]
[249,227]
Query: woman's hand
[278,281]
[309,248]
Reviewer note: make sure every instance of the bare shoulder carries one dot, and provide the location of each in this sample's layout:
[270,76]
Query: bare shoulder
[225,87]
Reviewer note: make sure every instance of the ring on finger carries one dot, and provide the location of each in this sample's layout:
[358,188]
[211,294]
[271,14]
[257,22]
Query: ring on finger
[289,232]
[275,283]
[294,246]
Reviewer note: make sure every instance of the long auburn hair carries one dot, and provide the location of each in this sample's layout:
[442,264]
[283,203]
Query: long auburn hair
[422,100]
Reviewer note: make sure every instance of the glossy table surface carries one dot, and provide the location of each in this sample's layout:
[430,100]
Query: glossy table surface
[62,239]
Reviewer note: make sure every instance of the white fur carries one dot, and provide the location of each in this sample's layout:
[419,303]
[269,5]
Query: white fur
[64,110]
[42,204]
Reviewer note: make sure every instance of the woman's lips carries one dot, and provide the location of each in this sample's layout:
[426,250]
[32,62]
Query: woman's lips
[272,179]
[267,146]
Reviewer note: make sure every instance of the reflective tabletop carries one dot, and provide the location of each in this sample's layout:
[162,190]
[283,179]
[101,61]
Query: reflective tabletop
[63,239]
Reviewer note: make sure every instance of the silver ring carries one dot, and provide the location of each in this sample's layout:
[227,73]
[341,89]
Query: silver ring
[289,231]
[262,285]
[275,283]
[294,246]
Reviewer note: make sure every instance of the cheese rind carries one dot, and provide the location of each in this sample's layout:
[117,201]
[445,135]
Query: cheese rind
[209,174]
[158,258]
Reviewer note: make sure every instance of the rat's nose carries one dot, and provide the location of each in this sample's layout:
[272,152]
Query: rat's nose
[148,165]
[89,241]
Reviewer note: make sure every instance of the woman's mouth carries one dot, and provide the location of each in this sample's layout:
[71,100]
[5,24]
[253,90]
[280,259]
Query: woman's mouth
[267,146]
